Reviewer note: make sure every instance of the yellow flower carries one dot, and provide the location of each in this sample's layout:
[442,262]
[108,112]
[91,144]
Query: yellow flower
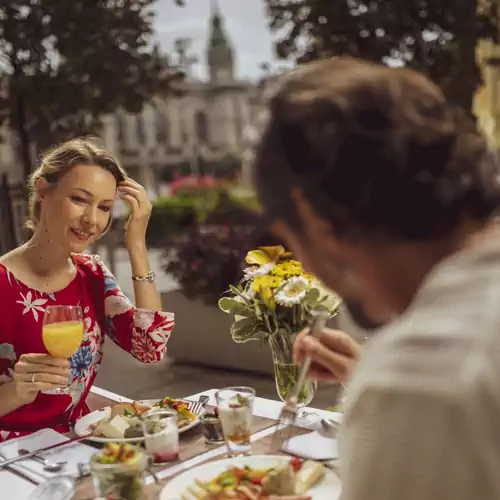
[288,269]
[265,287]
[264,255]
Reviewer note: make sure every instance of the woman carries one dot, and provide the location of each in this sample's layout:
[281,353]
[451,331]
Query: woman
[71,200]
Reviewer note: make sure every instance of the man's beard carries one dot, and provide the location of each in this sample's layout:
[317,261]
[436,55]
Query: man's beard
[359,317]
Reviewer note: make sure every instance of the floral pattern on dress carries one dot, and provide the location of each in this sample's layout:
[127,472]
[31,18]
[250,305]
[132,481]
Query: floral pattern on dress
[143,333]
[32,304]
[107,312]
[81,361]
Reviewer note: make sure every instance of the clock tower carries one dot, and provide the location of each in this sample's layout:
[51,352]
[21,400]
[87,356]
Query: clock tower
[219,50]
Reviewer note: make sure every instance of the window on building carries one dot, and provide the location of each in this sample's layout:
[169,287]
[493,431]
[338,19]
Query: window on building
[201,126]
[140,129]
[161,127]
[121,129]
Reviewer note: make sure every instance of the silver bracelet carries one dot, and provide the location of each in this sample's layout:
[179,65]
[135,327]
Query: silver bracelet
[150,277]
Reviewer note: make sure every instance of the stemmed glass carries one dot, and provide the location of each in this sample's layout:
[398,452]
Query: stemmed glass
[62,335]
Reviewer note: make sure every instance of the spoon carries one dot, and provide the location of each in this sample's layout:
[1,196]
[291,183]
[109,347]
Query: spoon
[329,427]
[329,424]
[47,464]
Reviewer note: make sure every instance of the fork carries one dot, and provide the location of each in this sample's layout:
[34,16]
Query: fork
[289,412]
[197,407]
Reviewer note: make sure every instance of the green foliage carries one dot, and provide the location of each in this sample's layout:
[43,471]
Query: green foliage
[174,216]
[255,320]
[437,37]
[66,63]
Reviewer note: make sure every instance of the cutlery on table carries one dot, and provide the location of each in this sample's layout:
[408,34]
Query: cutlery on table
[31,454]
[198,407]
[289,412]
[329,426]
[48,465]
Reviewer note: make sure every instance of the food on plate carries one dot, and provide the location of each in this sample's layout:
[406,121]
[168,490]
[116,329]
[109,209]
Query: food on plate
[288,481]
[125,419]
[134,408]
[118,472]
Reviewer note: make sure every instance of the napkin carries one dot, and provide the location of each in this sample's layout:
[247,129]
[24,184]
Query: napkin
[312,446]
[73,453]
[14,483]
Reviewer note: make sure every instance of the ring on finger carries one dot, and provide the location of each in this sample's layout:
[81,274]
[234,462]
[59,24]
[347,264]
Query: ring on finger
[33,381]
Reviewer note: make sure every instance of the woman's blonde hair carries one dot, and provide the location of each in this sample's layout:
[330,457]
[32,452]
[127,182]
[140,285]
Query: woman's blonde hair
[60,160]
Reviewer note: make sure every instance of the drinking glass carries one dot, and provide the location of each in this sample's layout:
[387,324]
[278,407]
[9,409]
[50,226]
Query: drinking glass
[62,335]
[161,435]
[286,376]
[235,408]
[119,481]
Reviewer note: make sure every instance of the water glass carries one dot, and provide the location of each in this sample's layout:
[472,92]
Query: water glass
[119,481]
[235,409]
[161,435]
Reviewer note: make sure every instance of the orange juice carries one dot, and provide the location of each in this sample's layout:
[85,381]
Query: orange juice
[63,339]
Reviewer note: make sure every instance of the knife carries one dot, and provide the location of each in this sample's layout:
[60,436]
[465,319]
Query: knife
[5,463]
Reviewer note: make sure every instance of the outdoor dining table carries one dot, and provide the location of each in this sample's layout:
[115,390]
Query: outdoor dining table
[193,450]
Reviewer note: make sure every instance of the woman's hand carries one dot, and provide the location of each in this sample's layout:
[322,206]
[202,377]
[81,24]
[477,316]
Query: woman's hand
[137,198]
[37,372]
[334,354]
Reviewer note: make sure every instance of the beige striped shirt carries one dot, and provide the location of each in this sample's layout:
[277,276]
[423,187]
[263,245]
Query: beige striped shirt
[423,416]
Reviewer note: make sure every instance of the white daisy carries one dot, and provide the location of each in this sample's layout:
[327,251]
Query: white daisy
[253,272]
[292,292]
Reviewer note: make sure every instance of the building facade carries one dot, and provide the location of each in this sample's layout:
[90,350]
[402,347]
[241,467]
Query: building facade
[205,122]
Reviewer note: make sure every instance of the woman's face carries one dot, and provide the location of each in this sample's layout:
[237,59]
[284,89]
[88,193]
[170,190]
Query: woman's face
[76,211]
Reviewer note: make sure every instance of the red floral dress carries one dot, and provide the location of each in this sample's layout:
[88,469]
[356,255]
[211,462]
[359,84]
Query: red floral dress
[106,310]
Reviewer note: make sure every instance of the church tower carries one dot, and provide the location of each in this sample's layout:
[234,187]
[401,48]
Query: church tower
[220,59]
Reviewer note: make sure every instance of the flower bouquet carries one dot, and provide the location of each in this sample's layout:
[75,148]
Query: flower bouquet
[272,303]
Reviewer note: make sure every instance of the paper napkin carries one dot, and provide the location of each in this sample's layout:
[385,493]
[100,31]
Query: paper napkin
[312,446]
[73,453]
[12,482]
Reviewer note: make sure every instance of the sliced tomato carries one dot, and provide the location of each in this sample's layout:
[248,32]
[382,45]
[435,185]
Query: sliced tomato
[296,463]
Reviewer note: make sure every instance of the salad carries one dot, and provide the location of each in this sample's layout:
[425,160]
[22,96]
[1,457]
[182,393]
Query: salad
[289,481]
[125,419]
[118,471]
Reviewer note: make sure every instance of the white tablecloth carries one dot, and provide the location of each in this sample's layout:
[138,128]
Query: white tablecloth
[262,408]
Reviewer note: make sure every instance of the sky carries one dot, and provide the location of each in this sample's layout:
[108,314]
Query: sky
[246,25]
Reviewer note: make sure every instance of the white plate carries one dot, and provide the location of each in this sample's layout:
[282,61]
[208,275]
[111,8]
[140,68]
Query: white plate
[328,489]
[82,425]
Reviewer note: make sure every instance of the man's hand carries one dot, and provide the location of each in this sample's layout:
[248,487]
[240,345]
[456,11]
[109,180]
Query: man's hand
[334,354]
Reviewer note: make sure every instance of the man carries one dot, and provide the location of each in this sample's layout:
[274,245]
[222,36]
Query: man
[386,193]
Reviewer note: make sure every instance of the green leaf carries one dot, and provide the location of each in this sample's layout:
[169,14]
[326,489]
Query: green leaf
[375,34]
[321,309]
[312,296]
[234,307]
[244,330]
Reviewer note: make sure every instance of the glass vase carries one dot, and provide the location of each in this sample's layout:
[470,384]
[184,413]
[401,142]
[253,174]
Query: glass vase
[286,372]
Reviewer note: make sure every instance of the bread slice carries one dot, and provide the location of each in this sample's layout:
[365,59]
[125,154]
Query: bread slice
[119,409]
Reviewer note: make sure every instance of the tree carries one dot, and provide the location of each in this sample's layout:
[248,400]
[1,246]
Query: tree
[66,63]
[437,37]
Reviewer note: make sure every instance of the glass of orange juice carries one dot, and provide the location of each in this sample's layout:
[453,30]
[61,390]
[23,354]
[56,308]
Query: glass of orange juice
[62,335]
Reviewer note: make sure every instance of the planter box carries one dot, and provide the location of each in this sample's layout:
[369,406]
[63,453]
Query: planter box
[201,336]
